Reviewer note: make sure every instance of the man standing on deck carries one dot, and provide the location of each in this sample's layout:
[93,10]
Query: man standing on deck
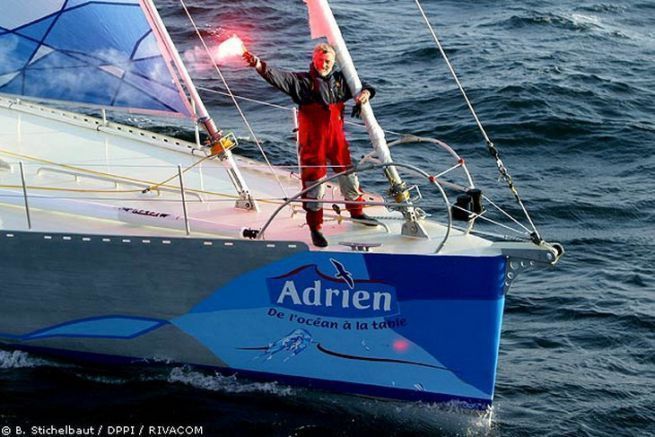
[320,95]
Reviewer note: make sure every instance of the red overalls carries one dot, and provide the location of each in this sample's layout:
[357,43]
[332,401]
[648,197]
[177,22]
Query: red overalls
[321,140]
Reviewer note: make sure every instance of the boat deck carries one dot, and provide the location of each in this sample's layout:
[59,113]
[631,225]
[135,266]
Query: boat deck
[86,176]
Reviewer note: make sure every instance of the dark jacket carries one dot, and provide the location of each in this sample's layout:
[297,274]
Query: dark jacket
[310,87]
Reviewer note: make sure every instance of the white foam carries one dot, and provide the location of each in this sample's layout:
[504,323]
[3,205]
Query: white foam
[452,418]
[19,359]
[580,19]
[108,380]
[419,417]
[226,384]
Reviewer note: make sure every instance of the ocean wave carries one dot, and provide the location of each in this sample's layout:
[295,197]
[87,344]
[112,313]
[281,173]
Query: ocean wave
[602,7]
[585,212]
[564,309]
[429,52]
[587,23]
[576,22]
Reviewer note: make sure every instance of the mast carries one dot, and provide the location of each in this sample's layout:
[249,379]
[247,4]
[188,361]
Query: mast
[323,24]
[219,145]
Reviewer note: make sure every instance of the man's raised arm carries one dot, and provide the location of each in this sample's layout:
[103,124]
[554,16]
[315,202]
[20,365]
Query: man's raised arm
[283,80]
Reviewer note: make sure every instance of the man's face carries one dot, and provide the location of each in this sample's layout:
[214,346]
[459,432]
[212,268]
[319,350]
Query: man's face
[323,62]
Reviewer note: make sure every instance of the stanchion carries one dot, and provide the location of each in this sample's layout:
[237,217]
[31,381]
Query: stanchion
[186,216]
[27,206]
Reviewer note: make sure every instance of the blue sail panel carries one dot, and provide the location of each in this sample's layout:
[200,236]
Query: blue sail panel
[92,29]
[165,95]
[37,30]
[37,83]
[102,53]
[14,52]
[16,13]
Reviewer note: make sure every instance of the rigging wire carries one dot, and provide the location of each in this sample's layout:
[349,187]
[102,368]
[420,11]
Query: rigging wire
[247,99]
[504,173]
[156,186]
[505,213]
[286,108]
[227,197]
[236,104]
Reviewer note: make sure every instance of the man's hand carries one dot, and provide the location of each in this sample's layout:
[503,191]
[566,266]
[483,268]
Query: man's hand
[360,99]
[363,97]
[251,59]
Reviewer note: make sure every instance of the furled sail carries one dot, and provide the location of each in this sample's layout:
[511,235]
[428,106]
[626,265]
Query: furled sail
[101,53]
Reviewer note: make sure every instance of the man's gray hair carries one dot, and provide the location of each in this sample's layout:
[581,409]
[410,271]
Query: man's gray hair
[325,48]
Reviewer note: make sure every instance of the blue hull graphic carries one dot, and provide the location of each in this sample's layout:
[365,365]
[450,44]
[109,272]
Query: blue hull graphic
[440,333]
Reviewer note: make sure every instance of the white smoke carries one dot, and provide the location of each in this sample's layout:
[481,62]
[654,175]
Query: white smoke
[197,60]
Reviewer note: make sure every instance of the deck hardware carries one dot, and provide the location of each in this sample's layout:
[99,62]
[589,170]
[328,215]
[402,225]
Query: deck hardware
[360,247]
[250,233]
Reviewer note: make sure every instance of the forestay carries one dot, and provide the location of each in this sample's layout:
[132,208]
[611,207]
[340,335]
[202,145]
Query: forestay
[100,53]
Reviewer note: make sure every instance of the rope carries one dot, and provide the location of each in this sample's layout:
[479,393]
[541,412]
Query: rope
[155,186]
[236,104]
[493,151]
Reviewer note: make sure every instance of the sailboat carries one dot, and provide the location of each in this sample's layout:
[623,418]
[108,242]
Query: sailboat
[122,245]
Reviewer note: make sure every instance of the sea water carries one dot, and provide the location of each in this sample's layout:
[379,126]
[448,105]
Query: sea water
[566,90]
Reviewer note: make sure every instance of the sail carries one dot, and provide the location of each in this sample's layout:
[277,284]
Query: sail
[101,53]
